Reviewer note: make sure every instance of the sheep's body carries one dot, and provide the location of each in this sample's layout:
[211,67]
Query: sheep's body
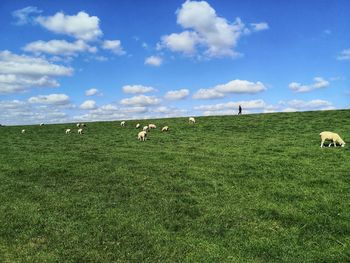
[165,128]
[68,131]
[23,131]
[152,126]
[80,131]
[334,137]
[145,128]
[137,125]
[41,124]
[122,123]
[142,135]
[78,125]
[191,120]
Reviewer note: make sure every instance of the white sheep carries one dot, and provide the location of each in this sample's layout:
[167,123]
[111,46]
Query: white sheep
[165,128]
[41,124]
[142,135]
[191,120]
[145,128]
[80,131]
[122,123]
[78,125]
[137,125]
[152,126]
[68,131]
[334,137]
[23,131]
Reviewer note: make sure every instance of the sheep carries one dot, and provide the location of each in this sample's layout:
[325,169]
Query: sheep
[152,126]
[142,135]
[122,123]
[78,125]
[137,126]
[23,131]
[68,131]
[165,128]
[80,131]
[145,128]
[326,135]
[191,120]
[41,124]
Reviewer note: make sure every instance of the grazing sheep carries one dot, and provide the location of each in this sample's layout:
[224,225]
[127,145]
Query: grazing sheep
[78,125]
[68,131]
[165,128]
[142,135]
[137,125]
[152,126]
[191,120]
[145,128]
[23,131]
[122,123]
[80,131]
[334,137]
[41,124]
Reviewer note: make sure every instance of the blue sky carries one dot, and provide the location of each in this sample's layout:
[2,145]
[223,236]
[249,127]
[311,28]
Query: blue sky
[70,61]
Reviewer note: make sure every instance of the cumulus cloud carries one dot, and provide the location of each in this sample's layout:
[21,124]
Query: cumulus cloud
[259,26]
[206,30]
[88,105]
[25,15]
[236,86]
[177,94]
[154,61]
[19,72]
[250,104]
[318,84]
[92,92]
[344,55]
[56,99]
[137,89]
[308,105]
[140,100]
[114,46]
[59,47]
[81,26]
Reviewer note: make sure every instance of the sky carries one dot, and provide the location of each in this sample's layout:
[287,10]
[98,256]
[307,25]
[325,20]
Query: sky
[73,61]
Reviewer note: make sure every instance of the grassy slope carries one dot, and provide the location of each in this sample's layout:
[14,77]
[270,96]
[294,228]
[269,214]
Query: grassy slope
[229,189]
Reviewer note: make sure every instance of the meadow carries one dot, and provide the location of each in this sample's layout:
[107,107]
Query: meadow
[250,188]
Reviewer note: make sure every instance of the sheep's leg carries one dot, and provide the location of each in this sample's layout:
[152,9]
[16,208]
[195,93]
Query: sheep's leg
[335,143]
[322,143]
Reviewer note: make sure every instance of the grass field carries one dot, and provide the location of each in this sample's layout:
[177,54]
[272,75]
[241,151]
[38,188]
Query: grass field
[250,188]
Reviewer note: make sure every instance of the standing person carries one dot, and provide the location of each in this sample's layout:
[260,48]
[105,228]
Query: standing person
[239,110]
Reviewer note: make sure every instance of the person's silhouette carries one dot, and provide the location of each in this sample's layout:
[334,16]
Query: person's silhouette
[239,110]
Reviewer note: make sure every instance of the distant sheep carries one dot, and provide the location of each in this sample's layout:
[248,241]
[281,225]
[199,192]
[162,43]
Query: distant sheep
[145,128]
[78,125]
[142,135]
[334,137]
[68,131]
[41,124]
[191,120]
[80,131]
[152,126]
[122,123]
[138,125]
[165,128]
[23,131]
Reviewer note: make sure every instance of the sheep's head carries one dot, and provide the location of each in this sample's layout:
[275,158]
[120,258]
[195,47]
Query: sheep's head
[343,145]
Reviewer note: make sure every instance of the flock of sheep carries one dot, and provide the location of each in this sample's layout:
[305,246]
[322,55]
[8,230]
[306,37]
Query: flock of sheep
[326,135]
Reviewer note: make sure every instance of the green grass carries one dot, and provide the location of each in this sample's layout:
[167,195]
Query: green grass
[250,188]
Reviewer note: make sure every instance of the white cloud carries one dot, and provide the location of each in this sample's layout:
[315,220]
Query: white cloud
[88,105]
[92,92]
[19,72]
[56,99]
[137,89]
[25,15]
[154,61]
[207,31]
[177,94]
[59,47]
[236,86]
[250,104]
[319,84]
[309,105]
[81,26]
[113,46]
[344,55]
[140,100]
[259,26]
